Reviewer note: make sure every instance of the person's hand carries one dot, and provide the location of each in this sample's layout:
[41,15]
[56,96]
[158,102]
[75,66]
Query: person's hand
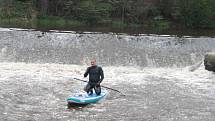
[98,84]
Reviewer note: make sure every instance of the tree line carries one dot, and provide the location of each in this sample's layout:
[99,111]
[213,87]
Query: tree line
[190,13]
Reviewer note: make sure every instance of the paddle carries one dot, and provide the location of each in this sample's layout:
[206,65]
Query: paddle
[101,86]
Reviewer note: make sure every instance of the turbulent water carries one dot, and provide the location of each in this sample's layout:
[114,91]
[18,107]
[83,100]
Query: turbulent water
[162,76]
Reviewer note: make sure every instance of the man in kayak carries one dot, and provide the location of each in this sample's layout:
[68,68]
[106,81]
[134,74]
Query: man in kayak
[95,78]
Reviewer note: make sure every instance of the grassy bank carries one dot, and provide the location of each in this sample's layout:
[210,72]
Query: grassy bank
[44,22]
[52,22]
[195,14]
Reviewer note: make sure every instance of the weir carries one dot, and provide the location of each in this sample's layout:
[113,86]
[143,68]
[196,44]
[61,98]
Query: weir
[110,49]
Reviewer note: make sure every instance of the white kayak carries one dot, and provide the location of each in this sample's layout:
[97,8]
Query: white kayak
[84,98]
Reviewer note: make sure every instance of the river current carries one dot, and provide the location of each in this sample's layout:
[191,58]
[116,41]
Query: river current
[162,76]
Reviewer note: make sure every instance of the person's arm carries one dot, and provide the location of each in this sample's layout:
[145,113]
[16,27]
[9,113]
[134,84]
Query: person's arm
[101,74]
[87,72]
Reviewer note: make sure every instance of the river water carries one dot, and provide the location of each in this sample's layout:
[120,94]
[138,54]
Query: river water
[162,76]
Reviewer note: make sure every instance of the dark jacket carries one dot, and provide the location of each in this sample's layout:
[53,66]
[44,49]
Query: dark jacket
[95,74]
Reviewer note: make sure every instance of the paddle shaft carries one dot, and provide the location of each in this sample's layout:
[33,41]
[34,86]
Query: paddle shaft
[101,86]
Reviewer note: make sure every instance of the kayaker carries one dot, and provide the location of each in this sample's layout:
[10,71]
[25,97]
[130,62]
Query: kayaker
[95,78]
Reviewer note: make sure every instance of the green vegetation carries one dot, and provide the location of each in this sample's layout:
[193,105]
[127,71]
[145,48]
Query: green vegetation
[159,25]
[198,13]
[160,14]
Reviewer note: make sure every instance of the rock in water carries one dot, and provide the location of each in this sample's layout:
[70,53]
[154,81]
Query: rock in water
[209,61]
